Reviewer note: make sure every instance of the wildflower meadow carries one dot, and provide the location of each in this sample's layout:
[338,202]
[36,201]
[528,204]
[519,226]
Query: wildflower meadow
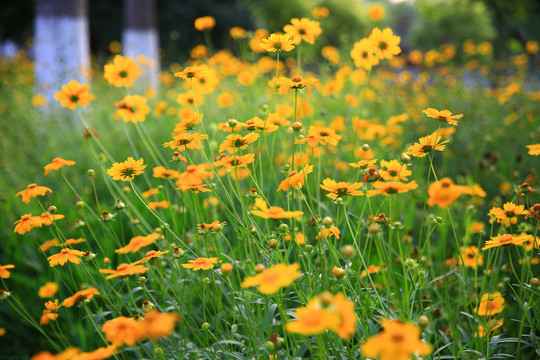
[266,201]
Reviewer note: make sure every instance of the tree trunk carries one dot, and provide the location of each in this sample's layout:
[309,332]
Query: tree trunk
[140,37]
[62,47]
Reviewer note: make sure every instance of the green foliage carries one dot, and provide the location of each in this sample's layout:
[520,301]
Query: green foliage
[450,22]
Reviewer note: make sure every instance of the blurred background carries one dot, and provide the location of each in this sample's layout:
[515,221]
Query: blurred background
[422,24]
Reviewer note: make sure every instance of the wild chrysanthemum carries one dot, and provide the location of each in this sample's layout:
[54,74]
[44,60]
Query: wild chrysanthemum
[132,108]
[295,179]
[4,273]
[444,192]
[74,94]
[397,341]
[427,144]
[122,71]
[57,164]
[32,191]
[508,214]
[235,142]
[137,243]
[443,116]
[157,325]
[126,170]
[391,187]
[123,330]
[341,189]
[363,54]
[86,294]
[48,290]
[201,263]
[507,239]
[190,72]
[26,223]
[303,29]
[386,43]
[470,256]
[273,212]
[534,149]
[274,278]
[64,256]
[277,42]
[490,304]
[124,270]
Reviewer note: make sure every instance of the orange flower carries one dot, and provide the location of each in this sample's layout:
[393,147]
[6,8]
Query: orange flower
[277,42]
[132,108]
[4,273]
[64,256]
[363,54]
[327,232]
[49,244]
[74,94]
[47,218]
[323,312]
[491,326]
[274,212]
[534,149]
[508,214]
[296,179]
[470,257]
[273,278]
[213,226]
[376,13]
[123,330]
[372,269]
[88,294]
[237,32]
[235,142]
[186,140]
[393,170]
[48,290]
[386,43]
[122,71]
[490,304]
[507,239]
[444,192]
[154,205]
[341,189]
[201,263]
[391,187]
[26,223]
[152,254]
[98,354]
[138,242]
[124,270]
[205,23]
[32,191]
[56,164]
[163,173]
[443,116]
[157,324]
[126,170]
[397,341]
[427,144]
[303,29]
[190,72]
[296,82]
[320,12]
[232,161]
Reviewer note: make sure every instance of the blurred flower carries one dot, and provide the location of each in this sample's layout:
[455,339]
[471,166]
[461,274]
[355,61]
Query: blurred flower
[122,71]
[57,164]
[87,294]
[427,144]
[126,170]
[123,330]
[32,191]
[205,23]
[490,304]
[201,263]
[376,13]
[237,32]
[341,189]
[137,243]
[303,29]
[157,325]
[124,270]
[320,12]
[74,94]
[274,212]
[132,108]
[48,290]
[26,223]
[274,278]
[4,273]
[363,54]
[507,239]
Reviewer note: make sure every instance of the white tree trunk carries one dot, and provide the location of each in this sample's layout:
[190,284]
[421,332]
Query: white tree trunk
[140,37]
[62,48]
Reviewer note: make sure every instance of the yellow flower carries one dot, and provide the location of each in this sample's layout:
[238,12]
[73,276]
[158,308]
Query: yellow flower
[74,94]
[273,278]
[490,304]
[64,256]
[48,290]
[427,144]
[122,71]
[443,116]
[303,29]
[507,239]
[534,149]
[132,108]
[201,263]
[386,43]
[273,212]
[126,170]
[57,164]
[205,23]
[341,189]
[296,179]
[137,243]
[376,13]
[397,341]
[277,42]
[4,273]
[363,54]
[123,330]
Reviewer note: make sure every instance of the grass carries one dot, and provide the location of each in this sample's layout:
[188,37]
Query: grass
[415,282]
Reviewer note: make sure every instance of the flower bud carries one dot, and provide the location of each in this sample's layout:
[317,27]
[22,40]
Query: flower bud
[297,126]
[272,243]
[534,282]
[147,306]
[259,268]
[78,204]
[339,201]
[119,205]
[126,189]
[327,221]
[423,321]
[405,158]
[233,123]
[326,298]
[52,209]
[4,294]
[347,251]
[177,252]
[90,172]
[106,216]
[374,229]
[283,228]
[338,272]
[309,248]
[89,256]
[205,326]
[142,279]
[226,268]
[365,147]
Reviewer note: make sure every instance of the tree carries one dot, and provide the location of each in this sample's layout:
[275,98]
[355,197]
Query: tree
[62,48]
[140,37]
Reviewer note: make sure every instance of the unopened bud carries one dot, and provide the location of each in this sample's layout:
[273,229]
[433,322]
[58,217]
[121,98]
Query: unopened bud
[90,172]
[147,306]
[272,243]
[205,326]
[119,205]
[423,321]
[226,268]
[259,268]
[327,221]
[338,272]
[52,209]
[347,251]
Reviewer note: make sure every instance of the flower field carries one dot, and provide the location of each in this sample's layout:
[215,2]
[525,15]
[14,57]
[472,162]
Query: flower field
[371,202]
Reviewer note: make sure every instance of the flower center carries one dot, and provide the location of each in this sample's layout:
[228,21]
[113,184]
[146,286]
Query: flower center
[74,98]
[123,74]
[383,45]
